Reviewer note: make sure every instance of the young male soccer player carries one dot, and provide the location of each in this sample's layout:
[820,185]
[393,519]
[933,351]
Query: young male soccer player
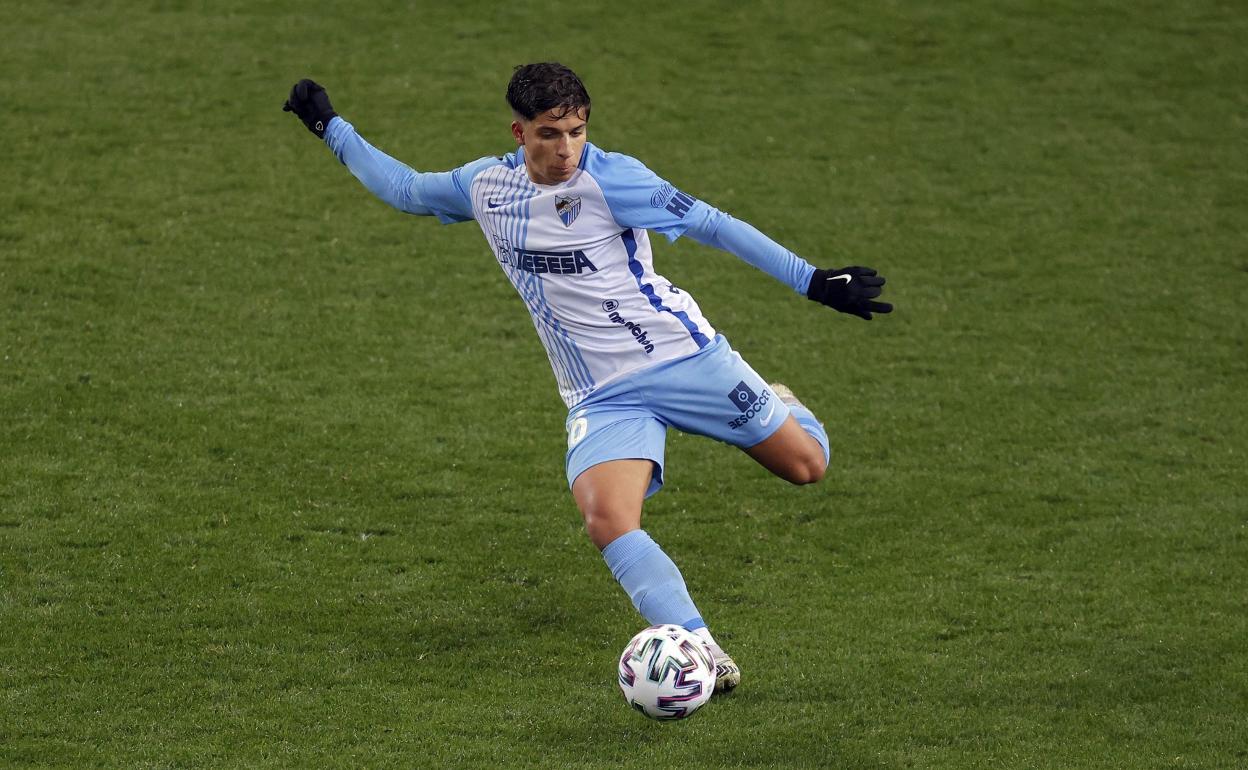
[632,353]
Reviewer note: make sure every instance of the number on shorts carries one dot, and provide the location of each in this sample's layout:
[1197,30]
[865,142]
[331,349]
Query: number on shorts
[577,431]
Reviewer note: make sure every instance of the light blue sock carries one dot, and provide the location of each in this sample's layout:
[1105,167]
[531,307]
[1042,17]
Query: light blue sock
[652,580]
[806,419]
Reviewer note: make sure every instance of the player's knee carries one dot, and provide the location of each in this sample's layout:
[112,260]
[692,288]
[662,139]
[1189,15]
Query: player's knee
[807,469]
[605,523]
[815,471]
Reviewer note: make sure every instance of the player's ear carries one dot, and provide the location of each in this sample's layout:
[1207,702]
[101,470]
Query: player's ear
[517,130]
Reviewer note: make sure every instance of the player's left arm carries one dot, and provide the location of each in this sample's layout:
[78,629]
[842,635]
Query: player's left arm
[638,197]
[850,290]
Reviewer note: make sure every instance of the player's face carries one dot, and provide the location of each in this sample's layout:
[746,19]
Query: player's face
[552,144]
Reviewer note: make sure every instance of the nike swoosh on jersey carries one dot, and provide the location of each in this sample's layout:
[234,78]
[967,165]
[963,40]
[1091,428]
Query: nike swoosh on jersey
[762,423]
[492,204]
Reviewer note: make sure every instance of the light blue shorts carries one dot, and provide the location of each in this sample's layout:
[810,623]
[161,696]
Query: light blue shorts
[711,393]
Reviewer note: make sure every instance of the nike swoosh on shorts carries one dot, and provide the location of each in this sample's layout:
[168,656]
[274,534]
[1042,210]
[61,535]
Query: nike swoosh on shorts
[762,423]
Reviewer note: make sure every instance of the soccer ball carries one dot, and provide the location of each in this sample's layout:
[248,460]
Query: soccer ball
[666,672]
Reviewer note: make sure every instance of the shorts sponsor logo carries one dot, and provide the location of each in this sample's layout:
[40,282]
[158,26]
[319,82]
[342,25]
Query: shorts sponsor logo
[611,308]
[750,403]
[743,396]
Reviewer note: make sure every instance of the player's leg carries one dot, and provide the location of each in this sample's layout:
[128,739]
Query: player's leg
[717,394]
[615,461]
[799,451]
[791,454]
[610,496]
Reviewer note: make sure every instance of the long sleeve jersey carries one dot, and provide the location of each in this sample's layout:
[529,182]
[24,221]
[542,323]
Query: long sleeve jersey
[578,253]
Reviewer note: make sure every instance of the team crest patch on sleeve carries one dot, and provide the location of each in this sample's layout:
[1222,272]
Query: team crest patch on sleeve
[568,208]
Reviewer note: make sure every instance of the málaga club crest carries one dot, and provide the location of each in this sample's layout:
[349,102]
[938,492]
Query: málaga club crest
[567,208]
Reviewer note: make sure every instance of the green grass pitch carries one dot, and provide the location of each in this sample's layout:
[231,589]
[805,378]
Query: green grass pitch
[281,474]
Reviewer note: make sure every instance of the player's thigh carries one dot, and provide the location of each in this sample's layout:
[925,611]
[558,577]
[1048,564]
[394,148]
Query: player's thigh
[717,394]
[601,433]
[790,453]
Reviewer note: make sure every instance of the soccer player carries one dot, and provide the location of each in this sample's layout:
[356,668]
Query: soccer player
[632,354]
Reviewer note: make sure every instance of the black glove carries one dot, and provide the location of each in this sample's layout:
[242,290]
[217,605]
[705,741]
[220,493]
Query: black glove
[310,102]
[849,290]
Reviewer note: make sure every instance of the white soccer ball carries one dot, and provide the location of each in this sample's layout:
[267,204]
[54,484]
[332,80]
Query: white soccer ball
[667,672]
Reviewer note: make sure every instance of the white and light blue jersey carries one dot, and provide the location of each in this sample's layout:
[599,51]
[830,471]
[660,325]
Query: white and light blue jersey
[578,252]
[579,255]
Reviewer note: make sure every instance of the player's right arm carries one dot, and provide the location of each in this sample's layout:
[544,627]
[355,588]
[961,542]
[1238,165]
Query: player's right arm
[637,197]
[441,194]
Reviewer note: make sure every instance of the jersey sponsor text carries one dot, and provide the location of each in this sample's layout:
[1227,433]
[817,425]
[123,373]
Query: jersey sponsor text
[554,262]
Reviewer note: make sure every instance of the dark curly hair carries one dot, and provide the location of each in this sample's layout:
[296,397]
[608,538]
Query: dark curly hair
[536,88]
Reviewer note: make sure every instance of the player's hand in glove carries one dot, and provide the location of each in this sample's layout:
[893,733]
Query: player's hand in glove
[850,290]
[310,102]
